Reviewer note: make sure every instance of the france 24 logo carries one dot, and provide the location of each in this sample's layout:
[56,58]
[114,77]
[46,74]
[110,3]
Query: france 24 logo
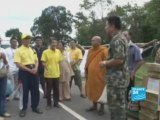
[138,93]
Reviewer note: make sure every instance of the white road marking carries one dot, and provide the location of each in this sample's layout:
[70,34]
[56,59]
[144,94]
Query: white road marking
[69,110]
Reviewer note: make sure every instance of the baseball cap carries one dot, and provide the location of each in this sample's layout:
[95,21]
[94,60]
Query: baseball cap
[25,36]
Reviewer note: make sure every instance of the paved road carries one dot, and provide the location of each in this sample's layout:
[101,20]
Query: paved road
[73,110]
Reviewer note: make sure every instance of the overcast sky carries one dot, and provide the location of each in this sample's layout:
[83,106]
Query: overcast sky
[21,13]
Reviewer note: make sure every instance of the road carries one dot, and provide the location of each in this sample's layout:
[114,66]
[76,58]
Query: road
[70,110]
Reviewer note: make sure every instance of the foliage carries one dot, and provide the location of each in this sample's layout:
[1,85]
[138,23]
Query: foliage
[14,32]
[143,21]
[99,5]
[55,22]
[87,29]
[89,26]
[153,17]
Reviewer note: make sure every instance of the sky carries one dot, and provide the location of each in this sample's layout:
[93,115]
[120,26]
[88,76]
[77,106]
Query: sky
[21,13]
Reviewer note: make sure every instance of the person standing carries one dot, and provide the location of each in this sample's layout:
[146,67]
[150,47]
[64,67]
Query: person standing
[117,76]
[27,62]
[75,61]
[95,74]
[13,69]
[39,48]
[51,59]
[3,84]
[66,73]
[135,60]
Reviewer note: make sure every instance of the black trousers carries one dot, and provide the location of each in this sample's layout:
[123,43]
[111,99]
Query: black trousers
[131,84]
[30,84]
[42,82]
[52,83]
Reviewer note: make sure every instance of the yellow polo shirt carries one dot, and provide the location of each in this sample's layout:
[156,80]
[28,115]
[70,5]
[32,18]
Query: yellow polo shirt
[75,54]
[52,60]
[25,55]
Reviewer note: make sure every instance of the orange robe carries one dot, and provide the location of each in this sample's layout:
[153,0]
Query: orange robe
[95,82]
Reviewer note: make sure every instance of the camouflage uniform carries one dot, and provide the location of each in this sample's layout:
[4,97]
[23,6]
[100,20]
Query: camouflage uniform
[118,79]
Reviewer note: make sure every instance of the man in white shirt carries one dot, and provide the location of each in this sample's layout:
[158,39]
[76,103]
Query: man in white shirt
[13,69]
[3,85]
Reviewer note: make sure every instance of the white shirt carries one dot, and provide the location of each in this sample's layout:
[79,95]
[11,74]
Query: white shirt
[1,60]
[83,63]
[10,56]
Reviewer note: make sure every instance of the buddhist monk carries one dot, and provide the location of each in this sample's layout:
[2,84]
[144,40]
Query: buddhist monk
[95,75]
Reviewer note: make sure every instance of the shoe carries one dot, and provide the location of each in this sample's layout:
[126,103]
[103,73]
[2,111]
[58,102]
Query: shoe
[60,99]
[8,99]
[56,105]
[101,112]
[6,115]
[82,96]
[22,113]
[37,110]
[2,118]
[45,96]
[16,98]
[91,109]
[48,107]
[67,99]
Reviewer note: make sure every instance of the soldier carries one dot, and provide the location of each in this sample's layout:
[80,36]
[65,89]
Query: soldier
[117,76]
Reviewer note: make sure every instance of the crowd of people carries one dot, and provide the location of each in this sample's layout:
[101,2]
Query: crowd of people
[55,67]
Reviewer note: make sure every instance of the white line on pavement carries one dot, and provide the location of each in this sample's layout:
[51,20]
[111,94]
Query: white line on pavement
[78,116]
[72,112]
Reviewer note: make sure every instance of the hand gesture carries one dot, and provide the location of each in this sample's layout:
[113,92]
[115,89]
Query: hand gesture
[2,55]
[102,63]
[132,75]
[34,71]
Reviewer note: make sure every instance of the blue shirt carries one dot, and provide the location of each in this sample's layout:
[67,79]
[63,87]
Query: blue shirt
[134,56]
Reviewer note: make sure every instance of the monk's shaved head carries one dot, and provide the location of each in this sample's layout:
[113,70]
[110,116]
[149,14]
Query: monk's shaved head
[96,41]
[97,38]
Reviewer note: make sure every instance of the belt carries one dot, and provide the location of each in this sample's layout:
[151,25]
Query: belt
[31,66]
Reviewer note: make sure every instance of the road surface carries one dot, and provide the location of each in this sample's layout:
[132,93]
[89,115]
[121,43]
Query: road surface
[70,110]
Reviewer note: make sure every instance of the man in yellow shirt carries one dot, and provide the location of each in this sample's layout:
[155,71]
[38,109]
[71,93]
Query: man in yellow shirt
[51,59]
[75,60]
[27,61]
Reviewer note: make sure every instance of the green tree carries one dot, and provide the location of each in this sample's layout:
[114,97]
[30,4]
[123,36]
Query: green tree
[89,26]
[86,29]
[153,17]
[134,19]
[55,22]
[102,5]
[14,32]
[143,21]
